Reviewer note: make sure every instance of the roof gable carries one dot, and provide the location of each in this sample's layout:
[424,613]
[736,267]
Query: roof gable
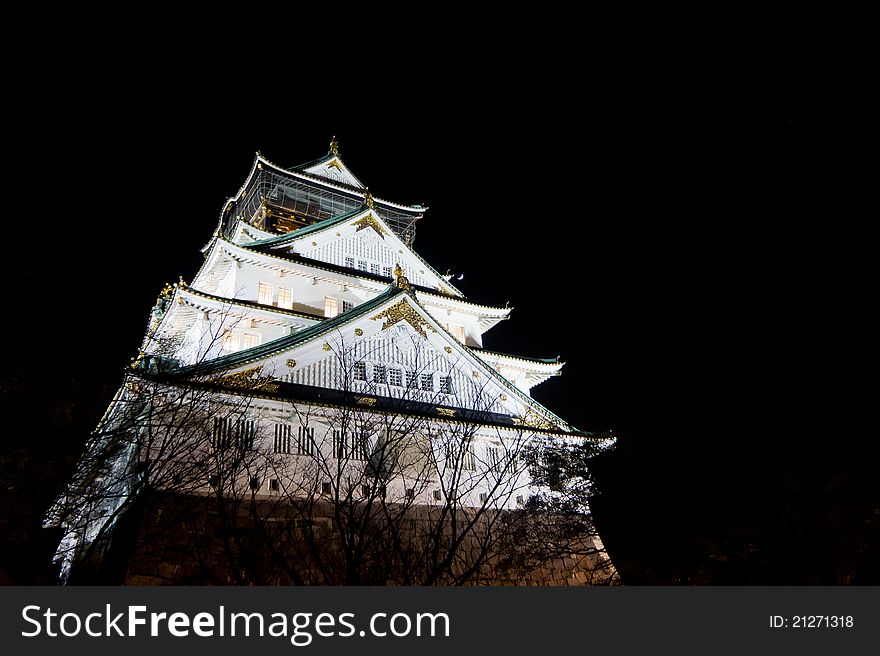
[359,240]
[332,168]
[390,332]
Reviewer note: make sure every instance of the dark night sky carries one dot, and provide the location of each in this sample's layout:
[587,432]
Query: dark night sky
[692,237]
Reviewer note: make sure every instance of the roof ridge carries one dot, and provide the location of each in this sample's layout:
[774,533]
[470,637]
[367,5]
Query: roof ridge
[516,357]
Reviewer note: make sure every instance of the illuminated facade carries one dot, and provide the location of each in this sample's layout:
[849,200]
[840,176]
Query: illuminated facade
[317,326]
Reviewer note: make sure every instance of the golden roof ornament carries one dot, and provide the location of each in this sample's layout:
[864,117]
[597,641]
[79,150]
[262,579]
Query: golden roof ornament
[368,198]
[400,280]
[334,146]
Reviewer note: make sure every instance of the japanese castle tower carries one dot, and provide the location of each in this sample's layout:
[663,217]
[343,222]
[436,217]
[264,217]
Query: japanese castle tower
[316,335]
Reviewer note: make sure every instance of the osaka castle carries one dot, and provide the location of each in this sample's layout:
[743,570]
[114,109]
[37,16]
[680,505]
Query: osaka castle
[316,406]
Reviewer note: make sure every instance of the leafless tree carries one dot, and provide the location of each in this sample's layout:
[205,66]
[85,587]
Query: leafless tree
[364,482]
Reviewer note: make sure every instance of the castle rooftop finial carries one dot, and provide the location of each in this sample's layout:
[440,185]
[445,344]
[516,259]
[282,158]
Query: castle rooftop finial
[368,198]
[334,146]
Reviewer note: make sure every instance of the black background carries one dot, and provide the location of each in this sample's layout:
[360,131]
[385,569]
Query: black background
[688,224]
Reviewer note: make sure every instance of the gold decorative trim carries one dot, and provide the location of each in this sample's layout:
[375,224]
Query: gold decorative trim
[249,379]
[369,221]
[334,146]
[504,397]
[534,420]
[446,412]
[476,374]
[368,199]
[448,349]
[358,332]
[366,400]
[403,311]
[334,163]
[291,363]
[326,346]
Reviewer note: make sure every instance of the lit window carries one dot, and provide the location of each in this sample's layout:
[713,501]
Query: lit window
[360,370]
[374,269]
[386,271]
[347,305]
[362,265]
[410,378]
[331,306]
[380,373]
[305,443]
[230,341]
[249,340]
[282,438]
[446,384]
[395,377]
[349,262]
[285,298]
[264,294]
[457,332]
[428,382]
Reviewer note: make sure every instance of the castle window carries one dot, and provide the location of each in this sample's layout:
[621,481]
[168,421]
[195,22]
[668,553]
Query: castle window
[437,495]
[380,373]
[228,433]
[410,379]
[446,384]
[395,377]
[457,332]
[483,497]
[249,340]
[410,493]
[347,305]
[386,271]
[273,485]
[230,341]
[361,446]
[349,262]
[469,458]
[305,443]
[326,488]
[493,455]
[428,382]
[331,306]
[362,265]
[282,438]
[338,446]
[285,298]
[374,269]
[360,371]
[264,294]
[255,484]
